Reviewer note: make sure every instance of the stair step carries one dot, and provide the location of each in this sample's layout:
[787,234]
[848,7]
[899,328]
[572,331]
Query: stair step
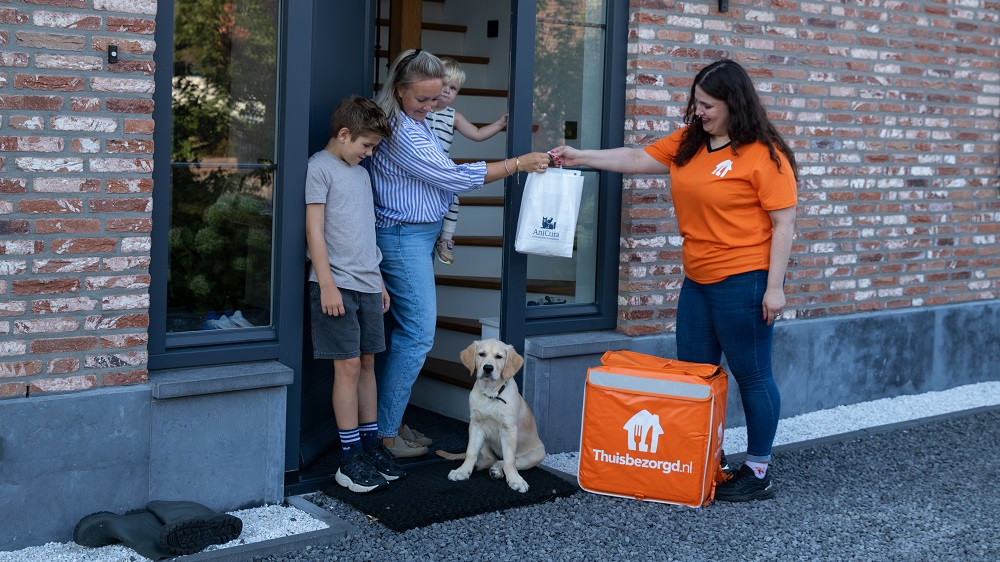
[456,324]
[534,127]
[484,92]
[451,372]
[481,241]
[481,201]
[545,286]
[464,59]
[429,26]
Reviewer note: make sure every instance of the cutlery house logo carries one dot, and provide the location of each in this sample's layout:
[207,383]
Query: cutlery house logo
[643,431]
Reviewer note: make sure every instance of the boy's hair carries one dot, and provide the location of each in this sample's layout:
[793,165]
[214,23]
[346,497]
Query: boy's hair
[409,67]
[453,72]
[360,116]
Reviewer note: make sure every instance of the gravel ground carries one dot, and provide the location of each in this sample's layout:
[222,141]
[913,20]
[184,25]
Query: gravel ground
[910,494]
[920,493]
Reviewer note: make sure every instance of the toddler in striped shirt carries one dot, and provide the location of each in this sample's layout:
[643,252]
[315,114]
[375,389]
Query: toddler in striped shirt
[444,121]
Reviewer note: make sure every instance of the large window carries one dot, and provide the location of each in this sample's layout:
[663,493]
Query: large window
[222,168]
[568,109]
[569,73]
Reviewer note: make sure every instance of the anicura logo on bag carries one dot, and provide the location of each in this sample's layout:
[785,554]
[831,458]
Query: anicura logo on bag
[643,433]
[548,229]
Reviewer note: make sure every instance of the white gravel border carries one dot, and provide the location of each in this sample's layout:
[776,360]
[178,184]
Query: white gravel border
[259,524]
[275,521]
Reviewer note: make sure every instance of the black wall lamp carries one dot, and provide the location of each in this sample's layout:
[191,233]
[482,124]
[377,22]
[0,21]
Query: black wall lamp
[723,5]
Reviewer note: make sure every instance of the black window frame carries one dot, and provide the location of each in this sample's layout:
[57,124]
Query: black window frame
[287,288]
[518,320]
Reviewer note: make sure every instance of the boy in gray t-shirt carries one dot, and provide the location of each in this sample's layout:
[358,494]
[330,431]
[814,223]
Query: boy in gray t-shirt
[346,296]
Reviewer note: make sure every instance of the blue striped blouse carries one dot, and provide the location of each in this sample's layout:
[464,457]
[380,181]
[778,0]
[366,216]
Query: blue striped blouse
[414,181]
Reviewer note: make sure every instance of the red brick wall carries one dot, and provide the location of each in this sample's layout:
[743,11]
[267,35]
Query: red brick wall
[893,110]
[75,193]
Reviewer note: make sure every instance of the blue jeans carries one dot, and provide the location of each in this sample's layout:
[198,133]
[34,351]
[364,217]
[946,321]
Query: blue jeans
[727,318]
[408,273]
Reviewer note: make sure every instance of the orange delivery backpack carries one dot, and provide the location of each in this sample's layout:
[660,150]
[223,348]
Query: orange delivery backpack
[652,429]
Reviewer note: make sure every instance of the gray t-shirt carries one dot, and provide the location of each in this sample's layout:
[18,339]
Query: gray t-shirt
[350,222]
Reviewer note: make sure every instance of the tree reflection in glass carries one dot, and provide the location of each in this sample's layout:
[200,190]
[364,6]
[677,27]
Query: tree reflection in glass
[222,164]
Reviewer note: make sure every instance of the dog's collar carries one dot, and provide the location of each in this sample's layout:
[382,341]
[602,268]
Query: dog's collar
[497,397]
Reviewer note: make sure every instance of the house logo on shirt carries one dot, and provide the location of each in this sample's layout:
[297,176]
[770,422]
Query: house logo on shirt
[723,168]
[642,435]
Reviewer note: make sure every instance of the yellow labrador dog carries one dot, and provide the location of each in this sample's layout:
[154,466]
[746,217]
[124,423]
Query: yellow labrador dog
[501,427]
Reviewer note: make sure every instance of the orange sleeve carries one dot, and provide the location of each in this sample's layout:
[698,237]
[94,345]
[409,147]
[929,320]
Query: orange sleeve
[664,149]
[775,186]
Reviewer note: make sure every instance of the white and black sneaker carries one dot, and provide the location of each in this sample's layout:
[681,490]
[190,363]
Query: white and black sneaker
[357,475]
[744,486]
[382,460]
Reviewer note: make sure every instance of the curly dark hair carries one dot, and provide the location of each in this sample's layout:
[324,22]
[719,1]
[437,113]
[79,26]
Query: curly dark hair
[729,82]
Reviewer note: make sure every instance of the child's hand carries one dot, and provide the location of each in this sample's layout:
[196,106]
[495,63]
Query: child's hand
[331,301]
[385,300]
[502,121]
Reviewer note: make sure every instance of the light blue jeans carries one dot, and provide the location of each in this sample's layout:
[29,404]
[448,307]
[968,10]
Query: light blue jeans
[408,273]
[727,317]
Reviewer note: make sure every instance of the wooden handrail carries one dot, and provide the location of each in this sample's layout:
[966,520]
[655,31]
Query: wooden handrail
[406,17]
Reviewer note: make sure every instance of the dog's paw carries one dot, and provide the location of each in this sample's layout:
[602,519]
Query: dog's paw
[456,475]
[496,471]
[518,484]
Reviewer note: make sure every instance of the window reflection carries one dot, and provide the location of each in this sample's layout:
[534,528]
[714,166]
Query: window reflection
[570,280]
[222,164]
[568,109]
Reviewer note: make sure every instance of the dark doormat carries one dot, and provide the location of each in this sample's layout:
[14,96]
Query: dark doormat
[425,495]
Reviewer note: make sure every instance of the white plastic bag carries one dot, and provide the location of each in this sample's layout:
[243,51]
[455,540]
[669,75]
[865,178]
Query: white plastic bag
[550,208]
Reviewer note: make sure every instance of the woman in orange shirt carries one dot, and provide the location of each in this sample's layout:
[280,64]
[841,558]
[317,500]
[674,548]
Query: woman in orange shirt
[733,183]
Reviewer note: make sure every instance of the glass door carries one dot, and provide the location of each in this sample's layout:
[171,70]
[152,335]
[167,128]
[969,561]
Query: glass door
[568,79]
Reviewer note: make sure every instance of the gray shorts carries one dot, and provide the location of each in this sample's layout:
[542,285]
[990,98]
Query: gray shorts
[358,332]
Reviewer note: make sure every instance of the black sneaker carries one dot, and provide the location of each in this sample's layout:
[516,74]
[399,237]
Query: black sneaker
[383,461]
[724,464]
[357,475]
[744,486]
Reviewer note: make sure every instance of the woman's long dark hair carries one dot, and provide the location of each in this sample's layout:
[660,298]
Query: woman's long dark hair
[729,82]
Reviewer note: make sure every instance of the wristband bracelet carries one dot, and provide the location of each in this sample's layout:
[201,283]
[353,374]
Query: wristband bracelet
[505,165]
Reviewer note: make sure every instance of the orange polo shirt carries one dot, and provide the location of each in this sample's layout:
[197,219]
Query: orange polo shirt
[722,201]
